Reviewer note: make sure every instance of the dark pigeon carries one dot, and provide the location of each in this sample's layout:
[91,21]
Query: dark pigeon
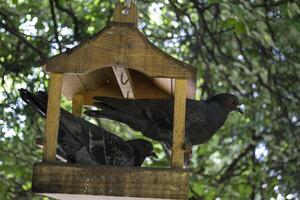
[84,142]
[154,117]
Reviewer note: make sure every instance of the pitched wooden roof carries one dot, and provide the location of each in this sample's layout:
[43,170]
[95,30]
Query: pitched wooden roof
[120,45]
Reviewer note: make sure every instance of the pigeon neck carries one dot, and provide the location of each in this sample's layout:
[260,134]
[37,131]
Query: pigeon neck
[222,110]
[139,158]
[218,113]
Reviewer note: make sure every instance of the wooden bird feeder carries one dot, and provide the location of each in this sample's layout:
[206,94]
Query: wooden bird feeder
[119,61]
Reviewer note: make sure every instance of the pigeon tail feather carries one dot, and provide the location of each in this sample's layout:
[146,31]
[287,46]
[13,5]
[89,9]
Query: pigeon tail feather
[34,101]
[127,106]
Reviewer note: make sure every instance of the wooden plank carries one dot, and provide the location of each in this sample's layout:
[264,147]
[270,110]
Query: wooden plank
[110,181]
[165,84]
[145,88]
[124,79]
[92,197]
[179,123]
[109,90]
[52,117]
[78,83]
[168,86]
[121,15]
[77,105]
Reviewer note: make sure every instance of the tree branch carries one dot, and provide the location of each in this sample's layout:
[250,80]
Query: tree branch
[16,33]
[55,24]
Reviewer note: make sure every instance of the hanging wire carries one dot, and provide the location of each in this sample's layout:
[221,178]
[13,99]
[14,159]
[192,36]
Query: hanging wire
[127,6]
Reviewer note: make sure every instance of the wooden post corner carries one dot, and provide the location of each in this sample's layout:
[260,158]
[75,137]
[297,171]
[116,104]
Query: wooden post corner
[179,123]
[77,104]
[52,117]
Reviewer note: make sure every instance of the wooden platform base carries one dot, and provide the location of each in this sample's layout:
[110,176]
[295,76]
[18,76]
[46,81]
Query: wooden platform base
[92,197]
[66,181]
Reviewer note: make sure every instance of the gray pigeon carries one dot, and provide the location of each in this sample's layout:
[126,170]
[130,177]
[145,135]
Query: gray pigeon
[154,117]
[84,142]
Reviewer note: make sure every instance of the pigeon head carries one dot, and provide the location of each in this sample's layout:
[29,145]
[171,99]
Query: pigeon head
[143,149]
[228,101]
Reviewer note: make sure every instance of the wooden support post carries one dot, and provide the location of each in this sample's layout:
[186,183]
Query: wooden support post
[77,105]
[179,123]
[52,118]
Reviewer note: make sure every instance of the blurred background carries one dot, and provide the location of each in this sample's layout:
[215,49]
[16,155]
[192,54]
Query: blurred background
[249,48]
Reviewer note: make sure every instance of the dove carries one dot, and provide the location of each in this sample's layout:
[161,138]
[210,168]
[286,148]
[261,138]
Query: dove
[84,142]
[154,117]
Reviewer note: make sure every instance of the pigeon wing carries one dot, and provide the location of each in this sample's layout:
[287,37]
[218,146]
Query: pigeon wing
[138,114]
[118,152]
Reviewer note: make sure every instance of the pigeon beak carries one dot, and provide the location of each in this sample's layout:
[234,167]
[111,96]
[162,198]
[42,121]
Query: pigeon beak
[239,109]
[152,154]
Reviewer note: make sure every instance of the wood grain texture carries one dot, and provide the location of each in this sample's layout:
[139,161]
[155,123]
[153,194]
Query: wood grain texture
[79,83]
[168,85]
[165,84]
[120,44]
[179,123]
[105,90]
[110,181]
[52,117]
[145,88]
[120,15]
[77,105]
[92,197]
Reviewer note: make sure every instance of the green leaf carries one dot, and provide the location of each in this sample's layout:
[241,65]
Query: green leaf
[292,9]
[214,1]
[229,22]
[198,187]
[240,28]
[268,39]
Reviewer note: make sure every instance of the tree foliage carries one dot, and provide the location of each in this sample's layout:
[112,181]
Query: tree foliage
[250,48]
